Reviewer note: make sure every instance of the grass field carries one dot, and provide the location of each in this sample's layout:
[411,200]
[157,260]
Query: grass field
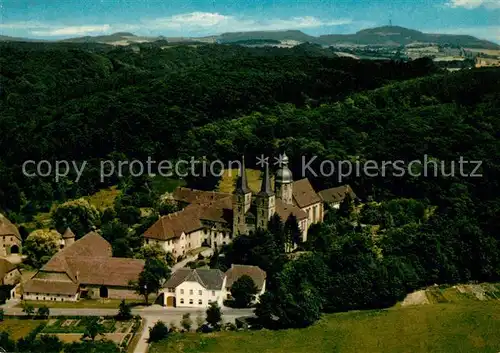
[18,328]
[228,180]
[83,303]
[464,327]
[162,184]
[104,198]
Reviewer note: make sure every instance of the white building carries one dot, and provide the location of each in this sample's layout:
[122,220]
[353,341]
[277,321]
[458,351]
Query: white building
[195,288]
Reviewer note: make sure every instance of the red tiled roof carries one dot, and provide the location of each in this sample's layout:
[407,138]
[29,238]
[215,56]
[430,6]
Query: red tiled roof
[254,272]
[304,194]
[109,271]
[44,286]
[284,210]
[86,261]
[337,194]
[5,267]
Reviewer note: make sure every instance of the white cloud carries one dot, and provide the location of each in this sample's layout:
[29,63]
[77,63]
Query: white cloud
[188,23]
[473,4]
[215,22]
[72,30]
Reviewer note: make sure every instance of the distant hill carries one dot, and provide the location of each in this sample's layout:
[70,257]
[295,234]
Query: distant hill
[17,39]
[379,36]
[397,36]
[266,35]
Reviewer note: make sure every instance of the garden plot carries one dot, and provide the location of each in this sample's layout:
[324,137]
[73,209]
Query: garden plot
[71,330]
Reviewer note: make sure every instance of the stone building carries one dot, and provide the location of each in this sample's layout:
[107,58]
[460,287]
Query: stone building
[10,239]
[213,218]
[84,269]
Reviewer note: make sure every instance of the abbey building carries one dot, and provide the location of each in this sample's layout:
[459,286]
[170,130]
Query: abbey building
[210,218]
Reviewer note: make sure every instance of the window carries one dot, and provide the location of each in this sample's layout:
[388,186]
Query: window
[190,292]
[200,302]
[182,291]
[182,300]
[213,293]
[190,301]
[200,292]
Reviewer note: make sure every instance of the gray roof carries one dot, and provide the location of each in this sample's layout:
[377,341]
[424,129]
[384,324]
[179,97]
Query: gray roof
[208,278]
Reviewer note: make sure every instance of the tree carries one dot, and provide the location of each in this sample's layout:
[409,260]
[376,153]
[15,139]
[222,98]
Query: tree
[129,215]
[346,207]
[214,315]
[152,277]
[152,251]
[47,344]
[28,309]
[101,346]
[79,215]
[293,234]
[158,332]
[108,215]
[214,259]
[186,321]
[40,246]
[93,329]
[166,207]
[243,291]
[43,312]
[275,227]
[8,344]
[199,320]
[124,312]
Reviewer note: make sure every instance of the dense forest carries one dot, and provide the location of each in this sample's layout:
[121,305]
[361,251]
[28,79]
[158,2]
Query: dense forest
[58,102]
[218,101]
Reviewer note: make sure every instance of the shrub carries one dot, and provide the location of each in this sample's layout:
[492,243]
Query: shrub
[158,332]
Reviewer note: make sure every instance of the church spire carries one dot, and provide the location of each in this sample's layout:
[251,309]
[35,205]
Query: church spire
[265,189]
[241,183]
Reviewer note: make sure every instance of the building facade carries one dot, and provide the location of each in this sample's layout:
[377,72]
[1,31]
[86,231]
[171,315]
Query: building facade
[10,239]
[213,218]
[84,269]
[197,288]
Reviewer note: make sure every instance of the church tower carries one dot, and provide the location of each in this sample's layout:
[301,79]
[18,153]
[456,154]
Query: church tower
[265,201]
[283,184]
[242,200]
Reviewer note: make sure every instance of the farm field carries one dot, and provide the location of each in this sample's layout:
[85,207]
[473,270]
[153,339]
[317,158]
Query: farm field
[464,327]
[18,328]
[70,329]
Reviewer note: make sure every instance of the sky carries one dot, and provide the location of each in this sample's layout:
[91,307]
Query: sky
[57,19]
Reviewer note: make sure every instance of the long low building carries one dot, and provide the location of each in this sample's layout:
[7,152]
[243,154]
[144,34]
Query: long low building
[85,269]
